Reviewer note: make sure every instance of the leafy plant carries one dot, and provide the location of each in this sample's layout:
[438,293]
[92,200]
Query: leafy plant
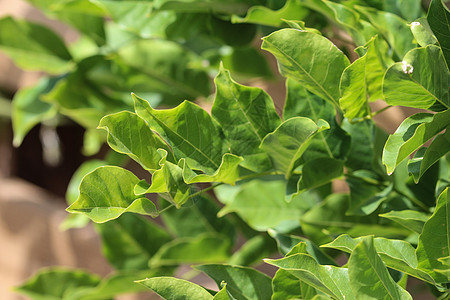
[272,175]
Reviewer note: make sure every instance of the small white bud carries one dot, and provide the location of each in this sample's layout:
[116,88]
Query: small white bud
[414,24]
[407,68]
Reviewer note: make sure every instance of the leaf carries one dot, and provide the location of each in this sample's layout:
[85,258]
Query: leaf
[176,289]
[216,6]
[434,241]
[253,251]
[361,83]
[424,158]
[261,204]
[108,192]
[330,280]
[205,248]
[246,115]
[423,33]
[420,80]
[265,16]
[34,47]
[242,282]
[319,75]
[287,286]
[28,110]
[318,172]
[288,142]
[247,62]
[407,9]
[55,283]
[439,20]
[129,134]
[130,241]
[410,135]
[369,277]
[222,294]
[411,219]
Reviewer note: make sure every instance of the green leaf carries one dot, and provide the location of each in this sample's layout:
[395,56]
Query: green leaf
[287,286]
[318,172]
[261,204]
[407,9]
[108,192]
[423,33]
[56,283]
[28,109]
[265,16]
[369,277]
[439,20]
[222,294]
[319,75]
[247,62]
[330,280]
[34,47]
[246,115]
[176,289]
[130,241]
[410,135]
[421,80]
[434,241]
[242,283]
[361,83]
[216,6]
[129,134]
[253,251]
[411,219]
[288,142]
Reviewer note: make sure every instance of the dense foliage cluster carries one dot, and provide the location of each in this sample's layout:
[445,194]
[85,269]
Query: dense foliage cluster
[242,171]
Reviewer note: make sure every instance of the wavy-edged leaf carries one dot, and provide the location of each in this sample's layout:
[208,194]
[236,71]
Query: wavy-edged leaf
[246,115]
[289,141]
[411,134]
[439,20]
[423,33]
[34,47]
[130,135]
[411,219]
[176,289]
[361,82]
[369,277]
[421,80]
[330,280]
[108,192]
[314,61]
[434,241]
[130,241]
[242,282]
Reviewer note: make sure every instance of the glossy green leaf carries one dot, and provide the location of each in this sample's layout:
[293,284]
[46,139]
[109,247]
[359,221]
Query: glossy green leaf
[130,135]
[56,283]
[330,280]
[261,204]
[421,80]
[411,219]
[410,135]
[288,142]
[423,33]
[439,20]
[287,286]
[369,277]
[247,115]
[361,82]
[104,197]
[130,241]
[318,172]
[176,289]
[28,109]
[319,75]
[205,248]
[242,282]
[34,47]
[434,241]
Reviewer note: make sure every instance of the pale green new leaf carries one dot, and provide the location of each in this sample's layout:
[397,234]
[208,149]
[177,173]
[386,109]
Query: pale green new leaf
[421,80]
[411,219]
[361,83]
[289,141]
[242,282]
[411,134]
[176,289]
[130,135]
[222,294]
[439,20]
[369,277]
[434,241]
[34,47]
[108,192]
[423,33]
[330,280]
[246,115]
[309,58]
